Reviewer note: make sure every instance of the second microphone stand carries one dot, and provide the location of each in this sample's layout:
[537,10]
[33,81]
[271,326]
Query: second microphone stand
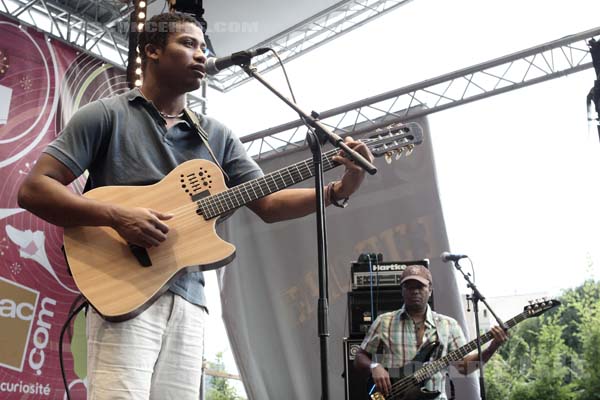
[476,297]
[318,135]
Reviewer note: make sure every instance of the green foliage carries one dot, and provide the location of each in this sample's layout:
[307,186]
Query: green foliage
[219,388]
[553,357]
[589,336]
[499,380]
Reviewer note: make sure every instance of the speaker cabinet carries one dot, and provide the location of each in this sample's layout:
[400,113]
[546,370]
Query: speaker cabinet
[363,311]
[364,307]
[355,386]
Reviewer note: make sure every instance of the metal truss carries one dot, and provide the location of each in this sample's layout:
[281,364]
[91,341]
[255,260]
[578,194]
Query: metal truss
[307,35]
[524,68]
[97,27]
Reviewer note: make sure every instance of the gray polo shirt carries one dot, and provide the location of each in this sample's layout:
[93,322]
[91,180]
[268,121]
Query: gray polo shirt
[123,140]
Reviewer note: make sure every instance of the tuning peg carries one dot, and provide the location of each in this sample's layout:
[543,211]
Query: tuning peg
[409,149]
[530,302]
[388,157]
[398,154]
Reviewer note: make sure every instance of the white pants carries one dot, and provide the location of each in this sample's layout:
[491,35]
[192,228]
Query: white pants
[156,355]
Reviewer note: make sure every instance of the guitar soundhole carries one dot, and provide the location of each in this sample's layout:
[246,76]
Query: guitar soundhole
[195,183]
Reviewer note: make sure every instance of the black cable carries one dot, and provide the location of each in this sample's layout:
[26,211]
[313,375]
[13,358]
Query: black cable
[60,343]
[315,115]
[284,73]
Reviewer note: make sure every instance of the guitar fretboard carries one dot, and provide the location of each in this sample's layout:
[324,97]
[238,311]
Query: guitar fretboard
[238,196]
[427,371]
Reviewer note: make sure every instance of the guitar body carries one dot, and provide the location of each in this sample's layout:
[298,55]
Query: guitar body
[106,270]
[405,388]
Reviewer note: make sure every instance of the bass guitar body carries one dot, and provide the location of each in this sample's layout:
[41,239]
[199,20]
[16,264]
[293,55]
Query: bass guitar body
[404,388]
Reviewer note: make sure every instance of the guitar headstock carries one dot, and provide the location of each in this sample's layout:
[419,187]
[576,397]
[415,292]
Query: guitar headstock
[395,140]
[540,306]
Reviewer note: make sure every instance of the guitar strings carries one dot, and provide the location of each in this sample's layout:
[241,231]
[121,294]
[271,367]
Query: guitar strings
[307,166]
[226,200]
[230,199]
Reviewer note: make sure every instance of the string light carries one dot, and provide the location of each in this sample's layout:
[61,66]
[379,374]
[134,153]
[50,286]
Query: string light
[141,19]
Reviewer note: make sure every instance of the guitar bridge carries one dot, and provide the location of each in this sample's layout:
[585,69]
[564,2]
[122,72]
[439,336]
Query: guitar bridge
[141,255]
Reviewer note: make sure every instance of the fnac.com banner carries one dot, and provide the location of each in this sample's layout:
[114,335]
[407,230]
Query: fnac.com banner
[42,83]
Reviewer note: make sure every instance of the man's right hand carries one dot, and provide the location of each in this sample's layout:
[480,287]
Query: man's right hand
[140,226]
[382,379]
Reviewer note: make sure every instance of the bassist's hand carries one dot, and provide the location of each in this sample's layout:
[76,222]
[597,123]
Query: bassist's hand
[140,226]
[382,379]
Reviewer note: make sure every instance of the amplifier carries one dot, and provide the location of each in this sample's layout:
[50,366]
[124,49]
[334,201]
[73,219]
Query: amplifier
[363,311]
[364,306]
[382,275]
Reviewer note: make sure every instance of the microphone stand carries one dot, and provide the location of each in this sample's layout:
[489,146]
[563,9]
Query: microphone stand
[475,297]
[318,134]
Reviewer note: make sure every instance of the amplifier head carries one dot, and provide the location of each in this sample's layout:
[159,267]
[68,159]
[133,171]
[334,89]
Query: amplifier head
[382,275]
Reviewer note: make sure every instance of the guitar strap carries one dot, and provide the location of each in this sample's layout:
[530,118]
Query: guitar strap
[192,118]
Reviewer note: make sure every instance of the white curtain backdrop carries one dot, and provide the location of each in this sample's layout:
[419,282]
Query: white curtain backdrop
[269,293]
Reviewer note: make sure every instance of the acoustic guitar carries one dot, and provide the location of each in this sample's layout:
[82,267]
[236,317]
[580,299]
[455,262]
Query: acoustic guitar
[121,280]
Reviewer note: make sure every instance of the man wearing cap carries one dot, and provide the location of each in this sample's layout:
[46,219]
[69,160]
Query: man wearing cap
[397,336]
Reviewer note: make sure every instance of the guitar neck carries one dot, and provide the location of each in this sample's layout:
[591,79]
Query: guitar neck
[238,196]
[430,369]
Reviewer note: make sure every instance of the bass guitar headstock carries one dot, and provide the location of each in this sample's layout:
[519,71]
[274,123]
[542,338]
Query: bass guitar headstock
[540,306]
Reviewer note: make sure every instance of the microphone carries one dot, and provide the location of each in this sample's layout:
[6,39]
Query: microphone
[446,256]
[215,65]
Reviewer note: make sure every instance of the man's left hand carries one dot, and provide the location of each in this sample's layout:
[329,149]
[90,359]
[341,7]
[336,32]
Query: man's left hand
[500,337]
[354,174]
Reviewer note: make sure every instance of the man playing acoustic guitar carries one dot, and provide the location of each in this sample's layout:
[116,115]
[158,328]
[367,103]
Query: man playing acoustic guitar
[135,139]
[399,335]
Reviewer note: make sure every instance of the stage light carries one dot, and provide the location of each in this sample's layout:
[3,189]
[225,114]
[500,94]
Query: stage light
[136,61]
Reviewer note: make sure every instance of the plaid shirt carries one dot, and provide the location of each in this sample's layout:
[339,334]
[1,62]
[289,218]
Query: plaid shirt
[392,337]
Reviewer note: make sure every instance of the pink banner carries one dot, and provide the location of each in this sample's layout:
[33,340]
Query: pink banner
[42,83]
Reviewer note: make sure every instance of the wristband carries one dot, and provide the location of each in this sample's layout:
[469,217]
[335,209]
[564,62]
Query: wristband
[374,365]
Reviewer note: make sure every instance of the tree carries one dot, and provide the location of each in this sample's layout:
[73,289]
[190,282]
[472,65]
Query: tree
[589,338]
[549,376]
[218,387]
[555,356]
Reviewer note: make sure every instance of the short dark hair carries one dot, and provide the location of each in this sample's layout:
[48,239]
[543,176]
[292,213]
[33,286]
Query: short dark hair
[158,28]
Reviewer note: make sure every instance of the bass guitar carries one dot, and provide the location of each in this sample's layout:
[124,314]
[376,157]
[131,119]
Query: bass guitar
[120,280]
[411,387]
